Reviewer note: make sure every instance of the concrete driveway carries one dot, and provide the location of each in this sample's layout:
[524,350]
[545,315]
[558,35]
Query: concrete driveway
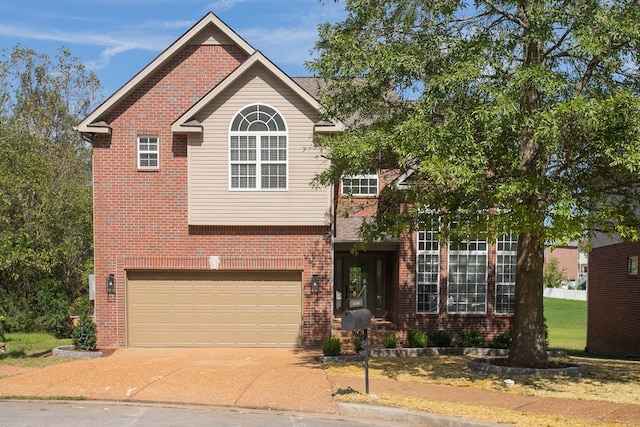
[286,379]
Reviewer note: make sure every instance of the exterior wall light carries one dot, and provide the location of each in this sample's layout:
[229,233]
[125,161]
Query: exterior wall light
[111,284]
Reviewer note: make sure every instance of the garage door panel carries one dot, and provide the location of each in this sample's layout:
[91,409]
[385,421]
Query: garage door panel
[214,309]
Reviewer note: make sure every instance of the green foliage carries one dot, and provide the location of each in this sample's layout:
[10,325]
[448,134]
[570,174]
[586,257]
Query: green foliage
[553,276]
[357,344]
[500,341]
[470,339]
[528,112]
[331,346]
[45,187]
[440,338]
[85,334]
[417,339]
[3,328]
[81,305]
[390,340]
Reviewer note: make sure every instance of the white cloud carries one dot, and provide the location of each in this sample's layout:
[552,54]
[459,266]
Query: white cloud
[222,5]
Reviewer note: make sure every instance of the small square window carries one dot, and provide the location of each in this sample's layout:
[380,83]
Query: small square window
[633,265]
[148,152]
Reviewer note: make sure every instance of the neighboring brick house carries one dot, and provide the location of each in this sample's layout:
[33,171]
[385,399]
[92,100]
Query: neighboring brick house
[613,298]
[208,233]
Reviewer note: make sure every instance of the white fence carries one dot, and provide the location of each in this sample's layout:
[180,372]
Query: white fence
[562,293]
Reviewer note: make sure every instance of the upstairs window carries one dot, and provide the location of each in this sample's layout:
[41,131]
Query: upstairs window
[148,152]
[258,150]
[360,185]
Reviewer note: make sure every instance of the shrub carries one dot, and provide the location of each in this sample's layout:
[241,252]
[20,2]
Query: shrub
[85,334]
[357,344]
[470,339]
[82,305]
[440,338]
[417,339]
[331,346]
[501,341]
[390,340]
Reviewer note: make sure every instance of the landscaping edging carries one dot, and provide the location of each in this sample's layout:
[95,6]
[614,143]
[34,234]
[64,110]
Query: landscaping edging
[70,351]
[415,352]
[565,370]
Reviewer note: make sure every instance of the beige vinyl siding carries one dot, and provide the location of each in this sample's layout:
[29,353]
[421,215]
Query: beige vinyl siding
[211,202]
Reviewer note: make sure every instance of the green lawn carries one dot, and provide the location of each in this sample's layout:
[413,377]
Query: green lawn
[30,349]
[567,324]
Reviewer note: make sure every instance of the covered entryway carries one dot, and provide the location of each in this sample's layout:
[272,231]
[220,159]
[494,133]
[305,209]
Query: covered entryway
[214,309]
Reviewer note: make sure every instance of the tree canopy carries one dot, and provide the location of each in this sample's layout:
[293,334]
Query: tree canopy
[45,187]
[500,116]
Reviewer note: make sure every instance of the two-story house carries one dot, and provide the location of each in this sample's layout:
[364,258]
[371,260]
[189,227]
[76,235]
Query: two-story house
[208,233]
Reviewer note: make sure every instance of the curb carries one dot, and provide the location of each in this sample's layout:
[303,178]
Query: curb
[413,417]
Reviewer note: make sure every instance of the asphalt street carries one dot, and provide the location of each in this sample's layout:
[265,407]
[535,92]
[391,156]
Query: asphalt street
[103,414]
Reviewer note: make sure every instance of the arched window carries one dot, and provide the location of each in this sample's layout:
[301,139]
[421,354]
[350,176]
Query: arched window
[258,149]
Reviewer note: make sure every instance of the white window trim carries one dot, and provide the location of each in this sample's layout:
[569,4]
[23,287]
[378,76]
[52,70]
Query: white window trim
[140,152]
[632,268]
[430,252]
[258,162]
[484,252]
[499,252]
[365,176]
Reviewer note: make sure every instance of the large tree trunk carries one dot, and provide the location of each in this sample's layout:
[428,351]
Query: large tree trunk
[528,348]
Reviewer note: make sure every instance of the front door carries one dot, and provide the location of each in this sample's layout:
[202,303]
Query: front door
[359,283]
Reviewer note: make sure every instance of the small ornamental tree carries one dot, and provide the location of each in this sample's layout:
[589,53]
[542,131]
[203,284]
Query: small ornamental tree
[85,334]
[499,116]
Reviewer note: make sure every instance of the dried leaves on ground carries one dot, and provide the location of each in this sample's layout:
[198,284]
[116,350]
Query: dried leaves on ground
[608,380]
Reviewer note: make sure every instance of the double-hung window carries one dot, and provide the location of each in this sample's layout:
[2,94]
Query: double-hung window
[428,274]
[148,152]
[506,252]
[360,185]
[258,150]
[467,292]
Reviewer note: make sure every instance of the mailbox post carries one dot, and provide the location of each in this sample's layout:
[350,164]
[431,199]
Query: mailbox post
[353,320]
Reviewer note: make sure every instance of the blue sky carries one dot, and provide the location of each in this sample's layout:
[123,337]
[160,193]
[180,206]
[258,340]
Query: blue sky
[117,38]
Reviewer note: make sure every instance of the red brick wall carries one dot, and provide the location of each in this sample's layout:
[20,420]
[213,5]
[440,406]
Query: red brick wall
[613,298]
[140,217]
[567,260]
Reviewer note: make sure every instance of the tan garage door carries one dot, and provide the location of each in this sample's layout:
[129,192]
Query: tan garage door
[257,309]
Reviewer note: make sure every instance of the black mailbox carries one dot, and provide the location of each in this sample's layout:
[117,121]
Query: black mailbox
[356,319]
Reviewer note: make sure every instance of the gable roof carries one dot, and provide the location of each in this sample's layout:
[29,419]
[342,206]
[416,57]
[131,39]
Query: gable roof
[210,29]
[187,124]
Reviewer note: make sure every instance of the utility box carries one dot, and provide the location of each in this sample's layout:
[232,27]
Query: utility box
[356,319]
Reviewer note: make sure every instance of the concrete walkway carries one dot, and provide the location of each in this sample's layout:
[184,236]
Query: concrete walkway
[278,379]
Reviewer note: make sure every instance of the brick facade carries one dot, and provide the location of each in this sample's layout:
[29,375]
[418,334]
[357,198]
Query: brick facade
[613,295]
[140,216]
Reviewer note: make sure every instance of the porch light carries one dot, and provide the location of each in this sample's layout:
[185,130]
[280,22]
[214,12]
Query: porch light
[111,284]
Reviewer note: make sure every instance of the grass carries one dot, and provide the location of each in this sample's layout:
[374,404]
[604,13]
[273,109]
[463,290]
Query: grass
[567,324]
[608,380]
[30,350]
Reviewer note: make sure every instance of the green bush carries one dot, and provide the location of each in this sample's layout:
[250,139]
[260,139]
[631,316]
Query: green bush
[85,334]
[82,305]
[417,339]
[331,346]
[500,341]
[390,340]
[357,344]
[470,339]
[440,338]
